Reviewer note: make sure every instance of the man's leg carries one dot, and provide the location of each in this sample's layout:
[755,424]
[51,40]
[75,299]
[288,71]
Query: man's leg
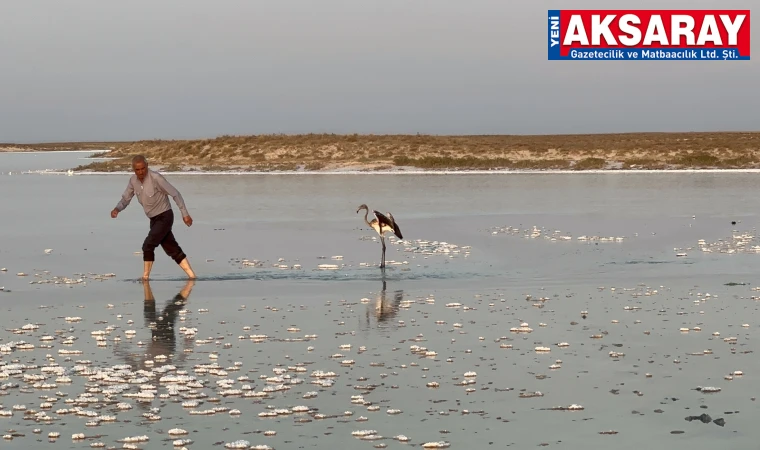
[172,248]
[147,267]
[160,225]
[185,265]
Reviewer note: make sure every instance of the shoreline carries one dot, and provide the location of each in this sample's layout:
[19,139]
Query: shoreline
[29,152]
[402,172]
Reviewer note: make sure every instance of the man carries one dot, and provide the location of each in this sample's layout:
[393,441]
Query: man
[152,191]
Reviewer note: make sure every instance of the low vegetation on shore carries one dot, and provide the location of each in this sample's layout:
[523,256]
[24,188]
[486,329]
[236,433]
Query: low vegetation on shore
[314,152]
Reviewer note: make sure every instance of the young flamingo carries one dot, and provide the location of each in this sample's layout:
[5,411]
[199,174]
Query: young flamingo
[383,225]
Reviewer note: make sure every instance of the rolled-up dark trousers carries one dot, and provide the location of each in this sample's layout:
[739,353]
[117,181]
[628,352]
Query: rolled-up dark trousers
[161,234]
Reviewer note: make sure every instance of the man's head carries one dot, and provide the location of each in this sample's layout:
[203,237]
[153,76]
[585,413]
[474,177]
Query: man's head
[140,167]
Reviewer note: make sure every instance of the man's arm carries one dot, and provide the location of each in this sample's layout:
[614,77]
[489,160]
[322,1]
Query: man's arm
[173,192]
[126,197]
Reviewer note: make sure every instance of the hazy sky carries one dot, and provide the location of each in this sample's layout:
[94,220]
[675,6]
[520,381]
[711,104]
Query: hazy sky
[139,69]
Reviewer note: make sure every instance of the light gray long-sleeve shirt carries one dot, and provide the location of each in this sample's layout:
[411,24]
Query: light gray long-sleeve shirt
[153,194]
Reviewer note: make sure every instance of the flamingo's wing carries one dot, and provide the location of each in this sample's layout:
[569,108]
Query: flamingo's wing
[387,222]
[383,219]
[396,228]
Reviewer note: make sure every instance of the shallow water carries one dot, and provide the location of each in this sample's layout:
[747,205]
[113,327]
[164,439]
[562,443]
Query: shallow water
[307,220]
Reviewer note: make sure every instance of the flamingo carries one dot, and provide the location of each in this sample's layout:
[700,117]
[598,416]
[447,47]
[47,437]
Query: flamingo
[383,225]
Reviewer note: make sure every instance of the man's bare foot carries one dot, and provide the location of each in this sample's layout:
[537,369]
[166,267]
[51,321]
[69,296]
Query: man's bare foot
[185,265]
[145,277]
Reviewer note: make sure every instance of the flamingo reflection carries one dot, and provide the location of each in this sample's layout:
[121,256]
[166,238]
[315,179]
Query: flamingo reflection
[385,309]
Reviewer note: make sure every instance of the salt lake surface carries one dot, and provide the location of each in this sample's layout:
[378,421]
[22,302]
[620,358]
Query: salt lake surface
[434,349]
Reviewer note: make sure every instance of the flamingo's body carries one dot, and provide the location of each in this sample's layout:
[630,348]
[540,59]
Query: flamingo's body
[383,225]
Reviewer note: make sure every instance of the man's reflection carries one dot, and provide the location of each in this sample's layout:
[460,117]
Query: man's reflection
[386,309]
[164,341]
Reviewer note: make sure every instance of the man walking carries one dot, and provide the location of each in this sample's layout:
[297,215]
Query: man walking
[152,191]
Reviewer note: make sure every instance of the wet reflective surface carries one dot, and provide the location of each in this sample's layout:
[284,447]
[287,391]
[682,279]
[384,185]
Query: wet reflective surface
[507,339]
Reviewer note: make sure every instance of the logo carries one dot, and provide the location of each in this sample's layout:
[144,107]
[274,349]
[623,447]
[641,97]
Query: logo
[717,35]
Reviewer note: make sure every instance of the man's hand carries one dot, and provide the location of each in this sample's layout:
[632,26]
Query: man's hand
[188,220]
[114,213]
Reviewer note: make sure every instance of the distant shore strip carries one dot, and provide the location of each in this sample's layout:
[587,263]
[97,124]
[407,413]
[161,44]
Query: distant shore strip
[329,153]
[411,172]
